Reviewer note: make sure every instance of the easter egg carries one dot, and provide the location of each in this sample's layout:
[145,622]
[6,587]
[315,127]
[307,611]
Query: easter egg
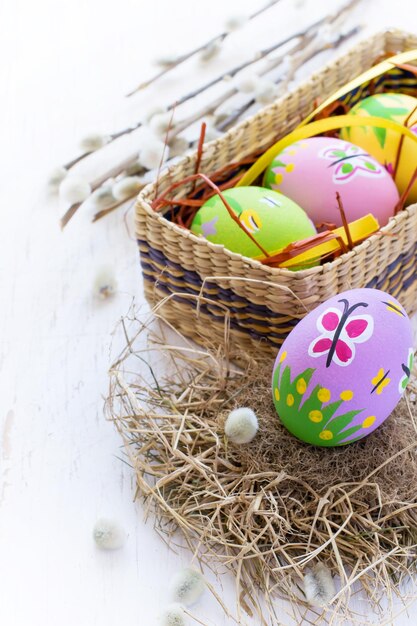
[344,367]
[312,170]
[396,152]
[266,221]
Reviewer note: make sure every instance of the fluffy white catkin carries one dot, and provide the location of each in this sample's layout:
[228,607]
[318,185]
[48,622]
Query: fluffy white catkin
[234,22]
[126,187]
[241,425]
[246,83]
[166,61]
[155,110]
[102,197]
[265,92]
[152,153]
[173,615]
[178,146]
[187,586]
[319,586]
[56,177]
[160,123]
[211,51]
[104,284]
[74,189]
[108,534]
[92,142]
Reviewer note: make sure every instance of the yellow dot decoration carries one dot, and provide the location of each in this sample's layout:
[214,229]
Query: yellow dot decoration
[278,178]
[282,357]
[368,421]
[326,435]
[301,386]
[315,416]
[346,395]
[289,167]
[276,392]
[292,152]
[324,394]
[290,399]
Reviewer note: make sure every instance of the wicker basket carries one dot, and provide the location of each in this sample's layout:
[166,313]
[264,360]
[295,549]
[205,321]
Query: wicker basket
[263,303]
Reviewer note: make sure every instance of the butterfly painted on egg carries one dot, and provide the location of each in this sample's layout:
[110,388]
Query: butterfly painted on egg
[340,332]
[250,219]
[406,368]
[350,163]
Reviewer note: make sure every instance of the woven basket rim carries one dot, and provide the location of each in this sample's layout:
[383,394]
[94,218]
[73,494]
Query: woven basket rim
[279,271]
[142,203]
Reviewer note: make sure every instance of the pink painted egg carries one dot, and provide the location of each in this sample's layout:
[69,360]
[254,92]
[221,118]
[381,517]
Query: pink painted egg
[343,369]
[311,171]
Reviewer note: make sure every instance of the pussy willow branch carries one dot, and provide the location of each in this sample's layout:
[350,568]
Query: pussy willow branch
[97,216]
[118,169]
[262,54]
[233,118]
[309,35]
[115,171]
[297,63]
[181,126]
[181,59]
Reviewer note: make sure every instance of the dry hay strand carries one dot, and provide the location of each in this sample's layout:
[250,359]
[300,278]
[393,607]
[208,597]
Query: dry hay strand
[271,509]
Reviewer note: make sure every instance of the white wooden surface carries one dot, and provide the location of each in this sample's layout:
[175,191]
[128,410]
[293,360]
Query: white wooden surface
[65,67]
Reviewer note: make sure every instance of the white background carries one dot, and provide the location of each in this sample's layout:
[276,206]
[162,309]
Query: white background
[65,67]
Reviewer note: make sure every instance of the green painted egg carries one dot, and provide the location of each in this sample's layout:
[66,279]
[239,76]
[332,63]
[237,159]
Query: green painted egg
[267,221]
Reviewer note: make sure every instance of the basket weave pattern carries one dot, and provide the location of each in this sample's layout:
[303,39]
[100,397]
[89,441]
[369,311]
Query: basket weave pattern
[265,303]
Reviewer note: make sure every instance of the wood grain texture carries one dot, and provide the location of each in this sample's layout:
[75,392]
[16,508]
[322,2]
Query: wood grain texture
[65,68]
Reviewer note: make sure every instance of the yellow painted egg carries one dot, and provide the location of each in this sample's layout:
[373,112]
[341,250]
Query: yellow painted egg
[396,152]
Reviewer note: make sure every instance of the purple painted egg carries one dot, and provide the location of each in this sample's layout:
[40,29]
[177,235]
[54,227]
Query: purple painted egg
[343,369]
[311,171]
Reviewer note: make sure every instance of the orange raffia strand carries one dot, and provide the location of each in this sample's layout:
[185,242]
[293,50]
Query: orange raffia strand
[360,229]
[187,206]
[223,186]
[294,250]
[200,150]
[298,247]
[404,195]
[400,144]
[156,204]
[342,245]
[183,203]
[407,67]
[326,225]
[344,220]
[216,174]
[329,110]
[379,59]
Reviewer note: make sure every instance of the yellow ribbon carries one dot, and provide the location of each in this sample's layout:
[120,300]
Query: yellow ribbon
[314,128]
[359,230]
[320,126]
[370,74]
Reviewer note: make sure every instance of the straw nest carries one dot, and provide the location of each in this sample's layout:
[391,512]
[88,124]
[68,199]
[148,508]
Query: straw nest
[274,508]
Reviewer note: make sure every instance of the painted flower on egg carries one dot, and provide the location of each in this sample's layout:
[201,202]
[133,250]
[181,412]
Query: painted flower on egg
[343,368]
